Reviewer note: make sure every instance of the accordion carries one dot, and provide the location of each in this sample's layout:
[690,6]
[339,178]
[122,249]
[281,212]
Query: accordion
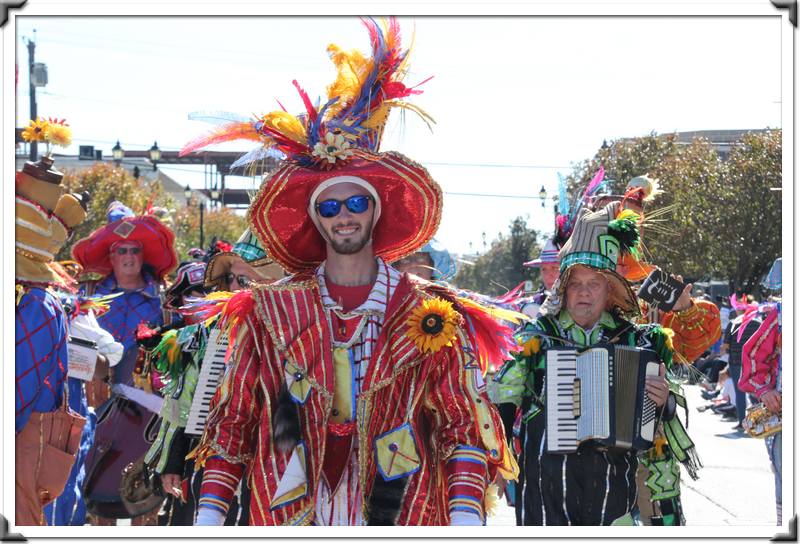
[598,394]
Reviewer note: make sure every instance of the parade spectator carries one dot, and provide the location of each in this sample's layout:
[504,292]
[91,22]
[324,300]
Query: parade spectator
[733,340]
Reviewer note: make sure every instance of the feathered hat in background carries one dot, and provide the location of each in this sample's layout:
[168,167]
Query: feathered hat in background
[339,138]
[639,193]
[598,241]
[247,250]
[155,238]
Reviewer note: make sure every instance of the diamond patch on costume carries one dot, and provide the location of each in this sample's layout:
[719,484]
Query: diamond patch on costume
[396,453]
[297,383]
[124,229]
[293,485]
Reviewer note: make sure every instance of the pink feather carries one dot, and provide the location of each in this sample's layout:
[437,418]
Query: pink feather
[225,133]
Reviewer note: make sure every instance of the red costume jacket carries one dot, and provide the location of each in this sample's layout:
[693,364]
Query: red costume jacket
[283,336]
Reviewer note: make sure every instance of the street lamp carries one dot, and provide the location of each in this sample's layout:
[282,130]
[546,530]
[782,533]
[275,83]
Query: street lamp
[214,194]
[542,195]
[155,154]
[187,192]
[117,153]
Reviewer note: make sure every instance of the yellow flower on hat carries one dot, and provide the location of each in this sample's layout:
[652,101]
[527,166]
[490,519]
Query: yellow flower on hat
[35,130]
[58,133]
[332,147]
[432,325]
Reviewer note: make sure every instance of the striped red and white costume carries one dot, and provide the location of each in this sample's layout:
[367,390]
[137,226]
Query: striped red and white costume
[289,333]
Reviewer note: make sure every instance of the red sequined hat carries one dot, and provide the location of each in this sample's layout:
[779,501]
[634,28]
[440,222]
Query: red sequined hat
[336,139]
[156,239]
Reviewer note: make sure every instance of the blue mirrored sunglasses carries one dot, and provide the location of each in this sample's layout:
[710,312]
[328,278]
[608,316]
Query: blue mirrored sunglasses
[331,207]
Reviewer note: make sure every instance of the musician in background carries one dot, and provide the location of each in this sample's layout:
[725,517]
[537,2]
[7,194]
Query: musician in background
[590,303]
[230,268]
[695,326]
[130,255]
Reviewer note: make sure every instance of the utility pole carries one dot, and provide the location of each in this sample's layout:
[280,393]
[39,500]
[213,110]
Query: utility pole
[32,92]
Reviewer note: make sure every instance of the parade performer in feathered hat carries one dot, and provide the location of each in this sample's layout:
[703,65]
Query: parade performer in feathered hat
[355,394]
[44,218]
[590,303]
[130,257]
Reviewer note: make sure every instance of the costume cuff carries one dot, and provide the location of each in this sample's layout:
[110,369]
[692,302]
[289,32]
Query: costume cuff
[466,470]
[464,518]
[220,479]
[209,516]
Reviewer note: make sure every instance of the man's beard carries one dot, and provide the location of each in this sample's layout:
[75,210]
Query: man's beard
[351,246]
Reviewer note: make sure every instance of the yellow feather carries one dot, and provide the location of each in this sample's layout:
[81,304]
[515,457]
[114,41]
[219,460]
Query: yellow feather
[351,67]
[287,124]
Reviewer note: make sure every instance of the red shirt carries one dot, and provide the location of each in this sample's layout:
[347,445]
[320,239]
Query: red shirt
[350,297]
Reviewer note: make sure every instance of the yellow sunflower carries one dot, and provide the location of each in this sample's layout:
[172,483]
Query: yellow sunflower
[58,133]
[35,130]
[432,325]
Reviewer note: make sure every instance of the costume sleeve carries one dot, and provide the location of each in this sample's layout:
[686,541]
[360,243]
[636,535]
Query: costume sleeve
[760,355]
[696,329]
[41,355]
[229,438]
[467,430]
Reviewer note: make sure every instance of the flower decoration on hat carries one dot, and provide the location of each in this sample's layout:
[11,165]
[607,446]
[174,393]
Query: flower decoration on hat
[432,324]
[53,132]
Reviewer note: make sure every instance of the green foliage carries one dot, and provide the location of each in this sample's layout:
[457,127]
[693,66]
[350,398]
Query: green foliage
[500,267]
[220,222]
[720,219]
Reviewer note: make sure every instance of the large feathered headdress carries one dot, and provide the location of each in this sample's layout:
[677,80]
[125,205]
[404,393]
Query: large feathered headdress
[339,137]
[350,121]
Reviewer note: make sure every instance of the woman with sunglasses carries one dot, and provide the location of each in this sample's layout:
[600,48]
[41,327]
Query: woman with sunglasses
[132,256]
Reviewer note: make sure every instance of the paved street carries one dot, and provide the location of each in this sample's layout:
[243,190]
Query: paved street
[736,486]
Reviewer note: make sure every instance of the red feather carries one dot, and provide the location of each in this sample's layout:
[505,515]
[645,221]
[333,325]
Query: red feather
[225,133]
[492,341]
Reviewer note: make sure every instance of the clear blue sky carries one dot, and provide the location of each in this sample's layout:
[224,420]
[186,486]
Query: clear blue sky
[516,100]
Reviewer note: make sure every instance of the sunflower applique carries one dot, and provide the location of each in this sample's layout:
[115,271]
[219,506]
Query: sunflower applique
[432,325]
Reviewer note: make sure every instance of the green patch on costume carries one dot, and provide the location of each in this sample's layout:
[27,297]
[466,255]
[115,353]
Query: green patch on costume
[665,477]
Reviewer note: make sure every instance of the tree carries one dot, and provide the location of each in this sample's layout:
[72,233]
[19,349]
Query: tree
[717,219]
[749,235]
[500,268]
[222,223]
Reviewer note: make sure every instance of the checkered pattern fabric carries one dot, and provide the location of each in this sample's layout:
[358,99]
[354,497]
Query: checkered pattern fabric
[588,258]
[249,248]
[41,354]
[128,310]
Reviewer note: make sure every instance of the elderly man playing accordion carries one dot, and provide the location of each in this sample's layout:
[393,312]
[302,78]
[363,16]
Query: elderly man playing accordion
[577,468]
